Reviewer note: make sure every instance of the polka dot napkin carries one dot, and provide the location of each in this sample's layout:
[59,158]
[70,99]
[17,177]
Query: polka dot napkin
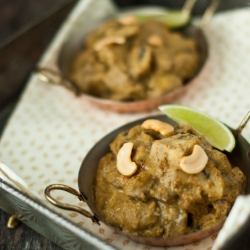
[51,130]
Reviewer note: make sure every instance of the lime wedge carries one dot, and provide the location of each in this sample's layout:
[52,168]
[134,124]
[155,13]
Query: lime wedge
[173,19]
[219,135]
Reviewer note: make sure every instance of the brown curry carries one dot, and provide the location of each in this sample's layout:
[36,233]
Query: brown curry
[134,61]
[160,199]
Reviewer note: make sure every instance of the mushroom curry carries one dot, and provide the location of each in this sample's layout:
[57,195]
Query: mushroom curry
[128,60]
[163,181]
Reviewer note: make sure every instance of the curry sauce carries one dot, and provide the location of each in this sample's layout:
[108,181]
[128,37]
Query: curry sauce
[134,61]
[160,199]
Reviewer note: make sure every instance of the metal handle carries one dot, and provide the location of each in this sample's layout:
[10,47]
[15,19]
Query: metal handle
[65,205]
[243,123]
[50,76]
[209,13]
[13,222]
[188,6]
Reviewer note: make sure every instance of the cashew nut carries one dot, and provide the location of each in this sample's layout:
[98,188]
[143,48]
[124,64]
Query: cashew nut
[159,126]
[155,40]
[102,43]
[128,20]
[196,162]
[124,164]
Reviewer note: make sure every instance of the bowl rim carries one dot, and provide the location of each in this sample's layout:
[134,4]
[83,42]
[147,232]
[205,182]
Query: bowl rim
[155,241]
[137,105]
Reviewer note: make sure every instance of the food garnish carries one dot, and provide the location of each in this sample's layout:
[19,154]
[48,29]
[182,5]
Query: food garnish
[196,162]
[218,134]
[158,126]
[124,164]
[173,19]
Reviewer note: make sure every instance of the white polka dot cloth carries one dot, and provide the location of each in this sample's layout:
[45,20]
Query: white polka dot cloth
[51,130]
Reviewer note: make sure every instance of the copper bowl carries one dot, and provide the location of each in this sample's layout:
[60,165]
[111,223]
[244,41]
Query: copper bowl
[240,156]
[71,48]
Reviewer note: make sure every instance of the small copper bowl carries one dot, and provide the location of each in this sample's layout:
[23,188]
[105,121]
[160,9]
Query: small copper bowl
[71,48]
[239,157]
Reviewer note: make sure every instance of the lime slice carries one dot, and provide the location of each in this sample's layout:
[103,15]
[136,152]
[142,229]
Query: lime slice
[219,135]
[173,19]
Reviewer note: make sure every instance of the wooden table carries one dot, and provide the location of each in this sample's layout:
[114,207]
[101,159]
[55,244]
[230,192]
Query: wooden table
[22,237]
[20,22]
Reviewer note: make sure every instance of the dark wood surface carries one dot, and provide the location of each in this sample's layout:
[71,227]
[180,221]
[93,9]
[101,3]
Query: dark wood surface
[22,237]
[21,22]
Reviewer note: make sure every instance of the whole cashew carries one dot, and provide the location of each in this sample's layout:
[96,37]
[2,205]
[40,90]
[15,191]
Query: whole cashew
[155,40]
[159,126]
[128,20]
[124,164]
[102,43]
[196,162]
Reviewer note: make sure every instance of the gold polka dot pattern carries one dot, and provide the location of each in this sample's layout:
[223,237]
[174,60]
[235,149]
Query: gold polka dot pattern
[51,130]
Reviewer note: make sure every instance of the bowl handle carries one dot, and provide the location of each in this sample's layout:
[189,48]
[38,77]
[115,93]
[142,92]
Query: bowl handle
[209,13]
[243,123]
[50,76]
[65,205]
